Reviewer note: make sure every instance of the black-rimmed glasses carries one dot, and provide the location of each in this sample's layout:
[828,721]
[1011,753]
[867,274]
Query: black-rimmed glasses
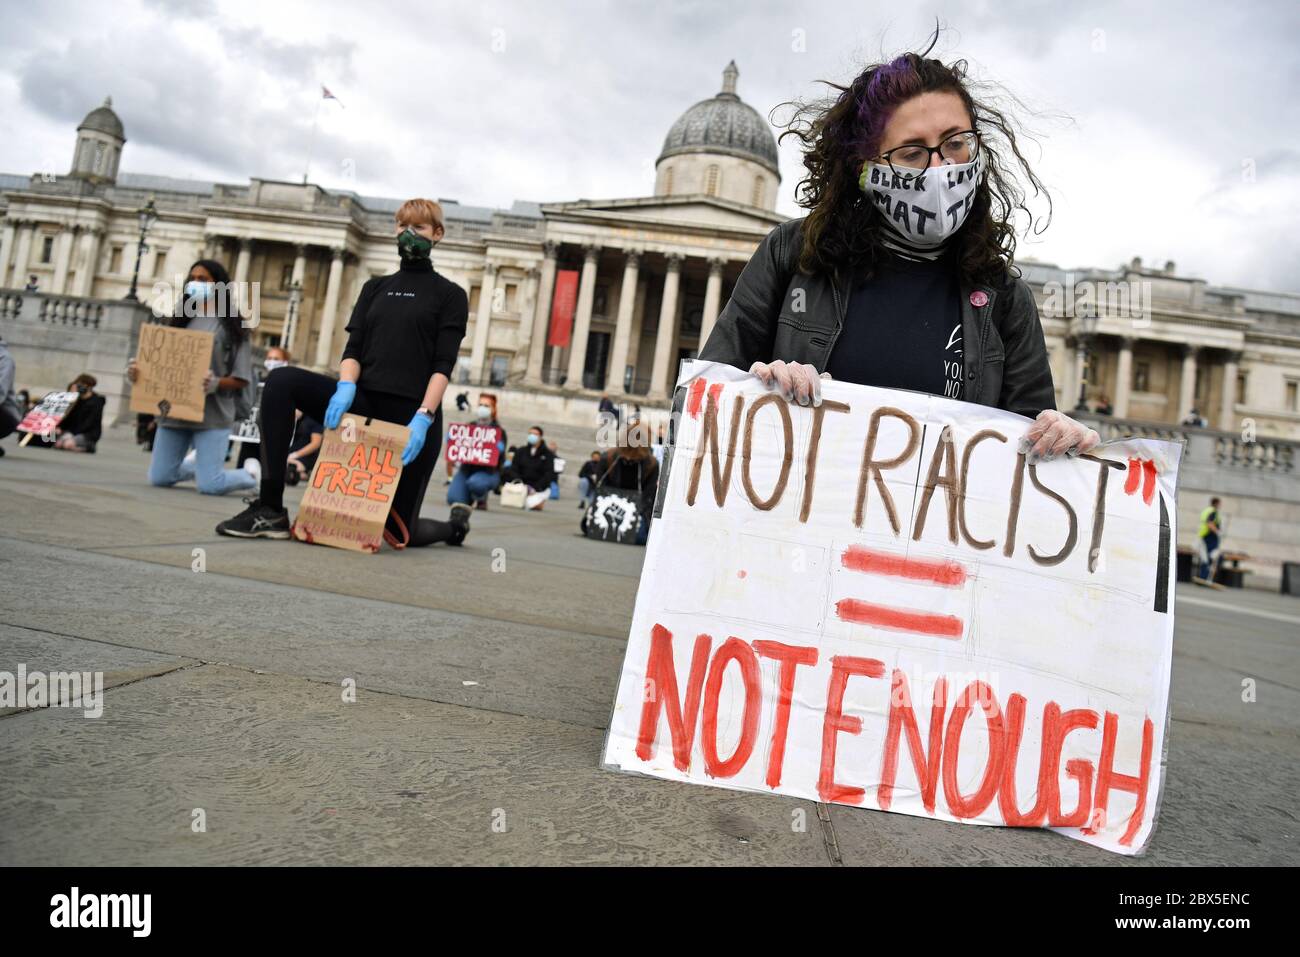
[913,158]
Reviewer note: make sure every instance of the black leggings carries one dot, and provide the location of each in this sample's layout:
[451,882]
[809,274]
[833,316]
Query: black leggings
[7,423]
[292,388]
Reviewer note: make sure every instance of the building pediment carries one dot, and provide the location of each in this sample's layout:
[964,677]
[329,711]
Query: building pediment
[686,213]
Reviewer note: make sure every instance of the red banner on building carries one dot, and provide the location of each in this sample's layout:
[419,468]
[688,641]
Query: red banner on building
[563,305]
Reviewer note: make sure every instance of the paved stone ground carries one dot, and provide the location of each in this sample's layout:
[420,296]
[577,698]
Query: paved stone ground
[479,695]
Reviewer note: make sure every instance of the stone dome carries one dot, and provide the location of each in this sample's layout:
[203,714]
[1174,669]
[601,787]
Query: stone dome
[724,124]
[102,119]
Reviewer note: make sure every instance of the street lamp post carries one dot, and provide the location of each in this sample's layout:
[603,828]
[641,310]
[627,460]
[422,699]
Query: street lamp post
[286,332]
[1086,329]
[148,216]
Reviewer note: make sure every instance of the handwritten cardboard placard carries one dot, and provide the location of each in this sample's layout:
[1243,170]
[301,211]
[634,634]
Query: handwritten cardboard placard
[47,414]
[473,444]
[172,365]
[350,492]
[877,602]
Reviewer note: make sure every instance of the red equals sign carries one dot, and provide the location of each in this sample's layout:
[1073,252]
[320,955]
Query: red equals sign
[938,572]
[1144,471]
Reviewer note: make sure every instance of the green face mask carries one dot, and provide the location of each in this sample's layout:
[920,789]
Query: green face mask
[412,247]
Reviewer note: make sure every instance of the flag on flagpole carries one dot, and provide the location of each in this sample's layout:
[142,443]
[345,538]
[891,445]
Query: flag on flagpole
[327,95]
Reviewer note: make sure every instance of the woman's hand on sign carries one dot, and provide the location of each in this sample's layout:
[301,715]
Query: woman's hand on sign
[1053,434]
[340,402]
[210,382]
[797,381]
[419,426]
[132,370]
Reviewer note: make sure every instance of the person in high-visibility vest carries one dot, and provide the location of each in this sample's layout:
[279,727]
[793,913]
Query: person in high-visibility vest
[1208,533]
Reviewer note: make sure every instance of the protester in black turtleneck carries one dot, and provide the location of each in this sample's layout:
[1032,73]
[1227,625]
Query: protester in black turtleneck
[403,339]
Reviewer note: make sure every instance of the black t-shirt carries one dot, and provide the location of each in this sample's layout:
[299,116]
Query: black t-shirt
[903,329]
[303,430]
[406,327]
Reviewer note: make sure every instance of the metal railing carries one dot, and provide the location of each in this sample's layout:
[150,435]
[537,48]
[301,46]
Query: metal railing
[1230,450]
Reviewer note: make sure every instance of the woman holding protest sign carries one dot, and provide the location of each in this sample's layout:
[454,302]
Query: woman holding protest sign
[473,482]
[403,338]
[81,428]
[901,274]
[207,304]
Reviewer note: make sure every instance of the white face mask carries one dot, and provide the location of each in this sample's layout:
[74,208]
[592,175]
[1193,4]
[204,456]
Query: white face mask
[484,412]
[926,209]
[273,364]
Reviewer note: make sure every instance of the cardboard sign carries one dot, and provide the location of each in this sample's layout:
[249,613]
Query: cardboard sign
[473,444]
[172,365]
[48,413]
[877,602]
[350,492]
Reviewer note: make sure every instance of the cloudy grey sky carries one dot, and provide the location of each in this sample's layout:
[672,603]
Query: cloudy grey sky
[1166,130]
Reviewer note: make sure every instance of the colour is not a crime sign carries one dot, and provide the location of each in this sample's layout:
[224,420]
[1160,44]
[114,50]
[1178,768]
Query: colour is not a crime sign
[879,603]
[472,443]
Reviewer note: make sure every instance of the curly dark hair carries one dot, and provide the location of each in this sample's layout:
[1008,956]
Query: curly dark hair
[840,132]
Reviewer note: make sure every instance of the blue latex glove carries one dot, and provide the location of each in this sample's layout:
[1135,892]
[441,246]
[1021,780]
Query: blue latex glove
[340,402]
[419,426]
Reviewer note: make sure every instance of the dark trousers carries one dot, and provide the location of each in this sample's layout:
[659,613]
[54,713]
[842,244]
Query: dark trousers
[292,388]
[1211,542]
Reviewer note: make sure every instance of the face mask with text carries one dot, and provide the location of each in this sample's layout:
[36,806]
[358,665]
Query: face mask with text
[927,208]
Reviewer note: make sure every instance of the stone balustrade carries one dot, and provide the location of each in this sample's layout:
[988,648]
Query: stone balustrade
[1256,476]
[53,339]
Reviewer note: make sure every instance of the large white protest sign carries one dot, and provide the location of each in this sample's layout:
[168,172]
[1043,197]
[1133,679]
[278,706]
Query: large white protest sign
[877,602]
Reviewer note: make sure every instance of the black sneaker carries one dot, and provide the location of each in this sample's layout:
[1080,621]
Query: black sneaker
[459,522]
[257,521]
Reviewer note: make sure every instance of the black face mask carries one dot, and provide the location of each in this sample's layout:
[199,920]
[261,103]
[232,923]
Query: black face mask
[413,247]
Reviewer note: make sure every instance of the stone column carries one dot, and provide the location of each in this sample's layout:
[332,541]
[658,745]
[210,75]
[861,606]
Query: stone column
[329,315]
[299,271]
[1228,403]
[527,313]
[23,252]
[1069,385]
[623,325]
[582,322]
[7,251]
[638,326]
[482,323]
[712,299]
[1187,384]
[243,261]
[666,335]
[89,261]
[1123,377]
[542,315]
[63,259]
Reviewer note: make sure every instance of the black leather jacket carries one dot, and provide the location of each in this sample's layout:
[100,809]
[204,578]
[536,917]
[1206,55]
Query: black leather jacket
[777,312]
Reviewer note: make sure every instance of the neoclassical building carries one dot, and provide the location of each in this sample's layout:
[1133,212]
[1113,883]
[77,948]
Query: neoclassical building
[574,299]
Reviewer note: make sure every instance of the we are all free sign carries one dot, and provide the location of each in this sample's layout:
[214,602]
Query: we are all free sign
[878,602]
